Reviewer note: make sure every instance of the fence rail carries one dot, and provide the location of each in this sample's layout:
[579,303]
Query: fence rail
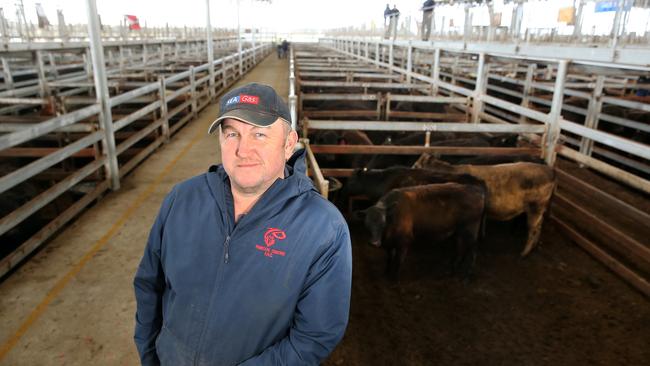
[155,115]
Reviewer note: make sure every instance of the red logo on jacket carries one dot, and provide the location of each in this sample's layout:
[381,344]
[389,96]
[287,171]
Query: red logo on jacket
[270,237]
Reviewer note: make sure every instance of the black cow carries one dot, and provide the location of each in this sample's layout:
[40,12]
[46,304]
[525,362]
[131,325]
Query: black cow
[387,161]
[373,184]
[437,211]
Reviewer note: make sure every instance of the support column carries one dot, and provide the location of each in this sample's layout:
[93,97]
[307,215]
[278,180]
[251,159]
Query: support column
[162,54]
[42,78]
[517,16]
[528,88]
[6,70]
[209,42]
[53,70]
[254,46]
[241,65]
[409,62]
[577,27]
[553,131]
[390,57]
[468,24]
[593,115]
[617,23]
[193,92]
[479,88]
[3,28]
[435,72]
[101,89]
[377,52]
[163,108]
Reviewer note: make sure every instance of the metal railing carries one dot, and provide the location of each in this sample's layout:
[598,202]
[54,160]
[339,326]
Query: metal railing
[558,127]
[194,92]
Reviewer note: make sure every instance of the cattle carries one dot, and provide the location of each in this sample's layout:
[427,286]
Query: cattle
[325,138]
[513,189]
[348,137]
[387,161]
[468,140]
[373,184]
[437,211]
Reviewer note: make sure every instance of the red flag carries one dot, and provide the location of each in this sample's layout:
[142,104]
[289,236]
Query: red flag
[132,21]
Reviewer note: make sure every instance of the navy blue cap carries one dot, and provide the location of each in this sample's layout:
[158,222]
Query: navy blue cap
[255,104]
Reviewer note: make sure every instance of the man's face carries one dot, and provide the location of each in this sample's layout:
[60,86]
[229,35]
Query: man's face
[254,157]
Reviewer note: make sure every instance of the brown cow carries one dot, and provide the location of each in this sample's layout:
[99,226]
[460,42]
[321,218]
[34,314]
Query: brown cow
[513,189]
[438,210]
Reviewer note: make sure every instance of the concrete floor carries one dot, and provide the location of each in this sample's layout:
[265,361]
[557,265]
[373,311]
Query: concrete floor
[73,302]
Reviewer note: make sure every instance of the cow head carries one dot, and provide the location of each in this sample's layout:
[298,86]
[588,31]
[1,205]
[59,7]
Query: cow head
[428,161]
[374,219]
[327,138]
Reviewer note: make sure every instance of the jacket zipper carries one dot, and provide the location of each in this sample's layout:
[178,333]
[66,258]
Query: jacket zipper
[226,254]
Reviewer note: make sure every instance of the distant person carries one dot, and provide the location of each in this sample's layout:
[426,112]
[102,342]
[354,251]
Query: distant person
[394,19]
[285,48]
[279,50]
[386,15]
[427,18]
[643,91]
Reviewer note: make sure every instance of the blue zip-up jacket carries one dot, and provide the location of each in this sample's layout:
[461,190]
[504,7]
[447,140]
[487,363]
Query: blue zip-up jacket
[274,289]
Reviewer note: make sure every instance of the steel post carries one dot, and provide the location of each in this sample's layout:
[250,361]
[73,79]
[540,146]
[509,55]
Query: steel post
[409,62]
[577,27]
[101,89]
[435,72]
[616,26]
[554,116]
[163,108]
[6,70]
[239,45]
[593,115]
[53,69]
[377,52]
[527,90]
[193,92]
[42,78]
[209,42]
[468,24]
[479,88]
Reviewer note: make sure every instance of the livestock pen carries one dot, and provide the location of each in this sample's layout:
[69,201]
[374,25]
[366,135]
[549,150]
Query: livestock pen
[543,309]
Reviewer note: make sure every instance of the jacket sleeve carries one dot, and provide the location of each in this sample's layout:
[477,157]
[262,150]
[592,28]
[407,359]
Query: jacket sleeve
[321,314]
[149,284]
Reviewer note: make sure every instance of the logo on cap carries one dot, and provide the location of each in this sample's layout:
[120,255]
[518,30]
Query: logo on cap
[243,98]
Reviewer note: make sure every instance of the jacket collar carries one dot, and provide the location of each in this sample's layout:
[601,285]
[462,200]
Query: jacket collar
[294,184]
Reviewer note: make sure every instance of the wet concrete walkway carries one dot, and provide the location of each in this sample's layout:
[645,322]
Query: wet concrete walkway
[73,302]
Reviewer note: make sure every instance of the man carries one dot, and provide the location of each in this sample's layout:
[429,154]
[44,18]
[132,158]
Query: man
[427,19]
[394,20]
[285,48]
[386,13]
[246,264]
